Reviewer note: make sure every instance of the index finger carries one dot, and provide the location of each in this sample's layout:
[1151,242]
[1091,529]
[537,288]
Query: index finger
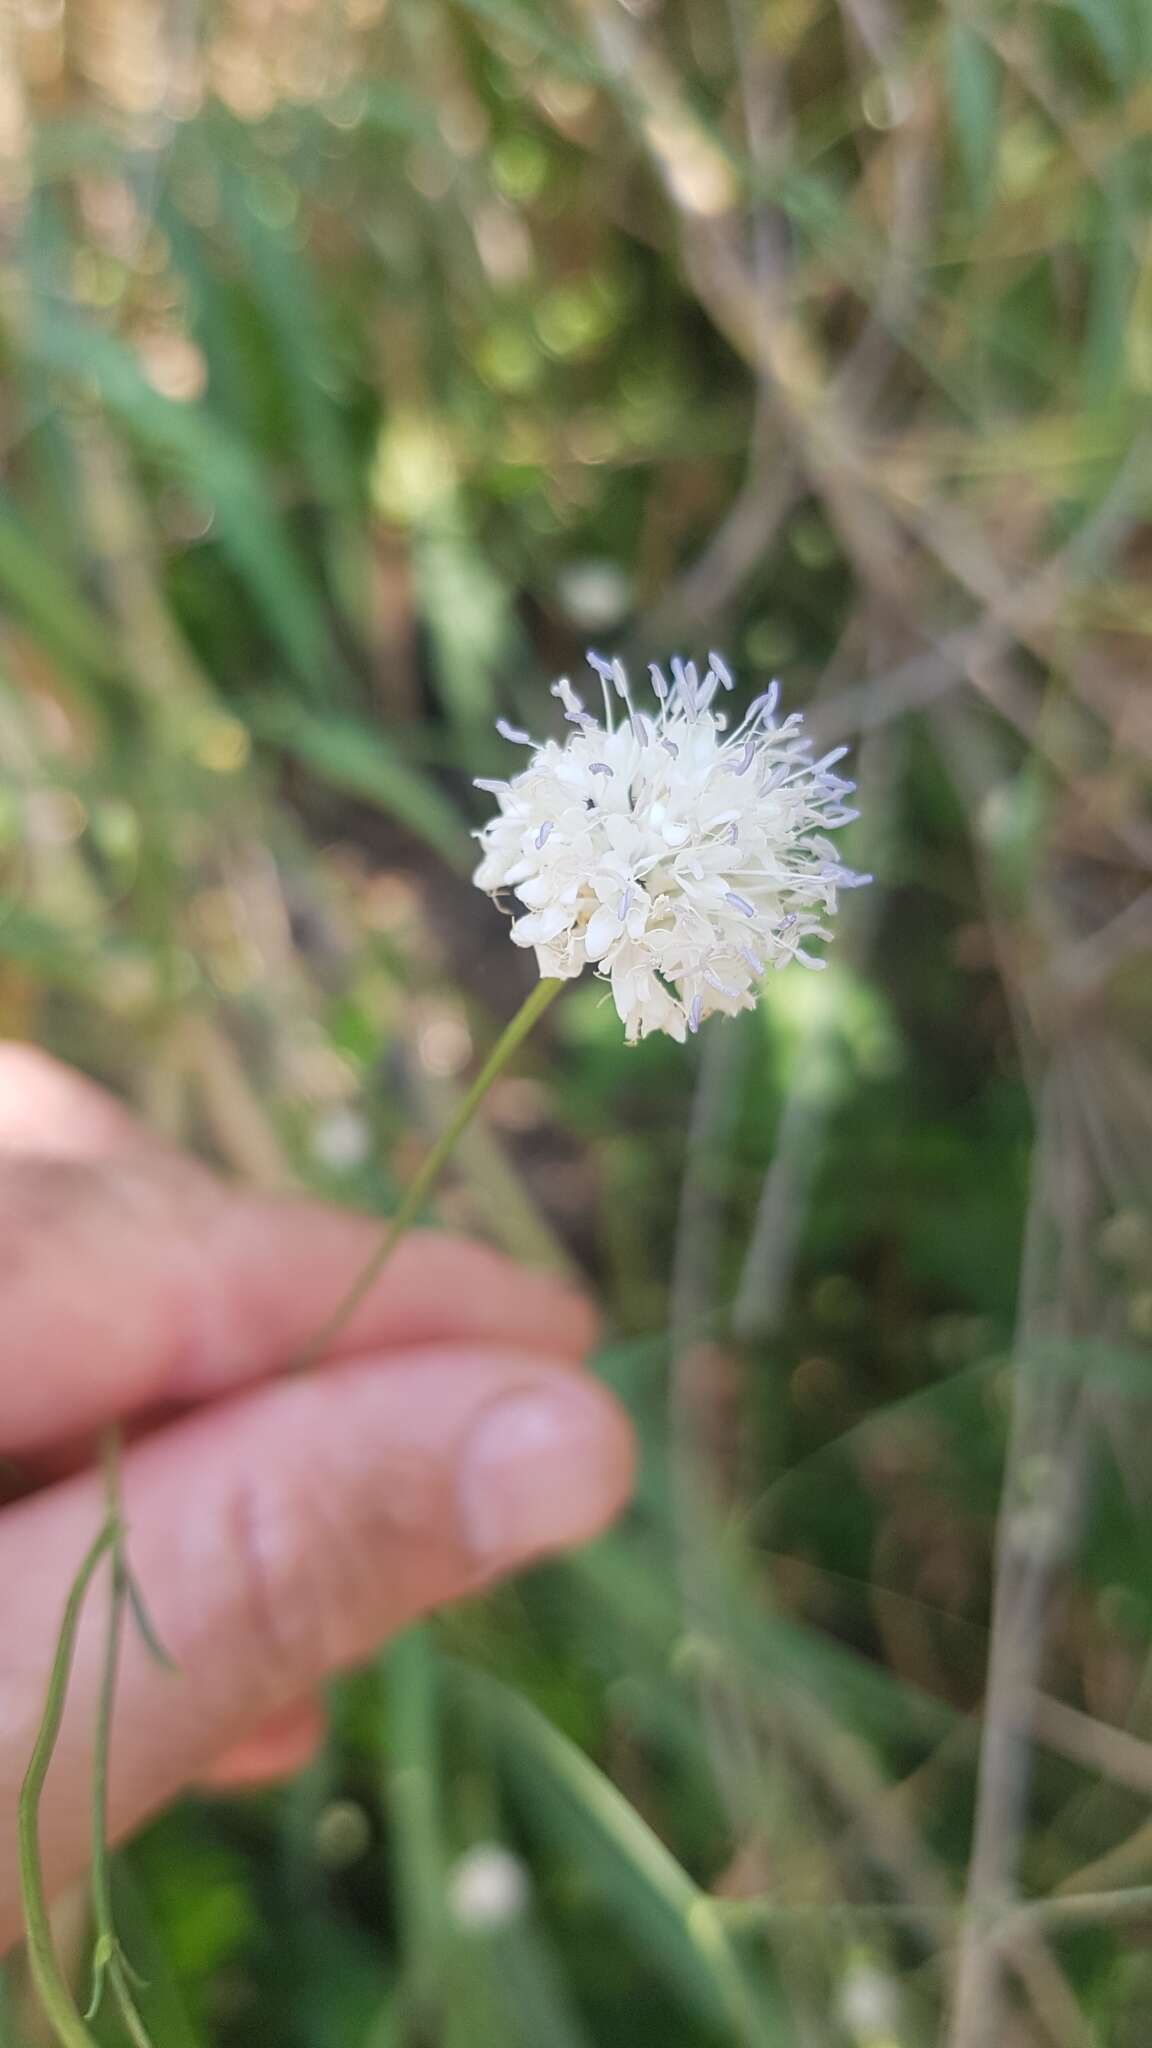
[48,1109]
[137,1280]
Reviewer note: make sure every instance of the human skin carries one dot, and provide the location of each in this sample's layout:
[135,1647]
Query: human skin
[280,1526]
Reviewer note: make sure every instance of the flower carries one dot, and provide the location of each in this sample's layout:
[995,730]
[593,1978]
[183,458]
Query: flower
[678,856]
[488,1888]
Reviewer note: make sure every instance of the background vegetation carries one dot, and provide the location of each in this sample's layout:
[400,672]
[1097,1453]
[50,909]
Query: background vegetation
[364,359]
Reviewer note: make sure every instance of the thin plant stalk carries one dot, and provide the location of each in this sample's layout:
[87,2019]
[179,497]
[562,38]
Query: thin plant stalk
[423,1182]
[100,1874]
[44,1963]
[109,1958]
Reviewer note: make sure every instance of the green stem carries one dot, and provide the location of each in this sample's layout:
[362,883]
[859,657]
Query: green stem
[47,1975]
[417,1193]
[108,1954]
[100,1878]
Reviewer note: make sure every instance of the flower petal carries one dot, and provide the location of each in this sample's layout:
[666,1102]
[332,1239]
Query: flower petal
[603,931]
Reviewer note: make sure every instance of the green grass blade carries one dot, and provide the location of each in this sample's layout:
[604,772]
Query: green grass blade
[564,1793]
[224,473]
[362,760]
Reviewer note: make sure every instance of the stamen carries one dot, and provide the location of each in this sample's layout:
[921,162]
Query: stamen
[720,669]
[599,768]
[543,833]
[763,706]
[513,733]
[686,681]
[670,747]
[486,782]
[658,683]
[694,1014]
[739,903]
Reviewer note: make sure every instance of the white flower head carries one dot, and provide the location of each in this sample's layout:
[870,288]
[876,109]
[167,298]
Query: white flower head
[677,853]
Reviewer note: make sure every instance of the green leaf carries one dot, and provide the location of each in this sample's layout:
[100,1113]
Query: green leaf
[411,1675]
[279,277]
[973,81]
[469,622]
[361,759]
[1113,232]
[49,600]
[666,1913]
[225,474]
[1110,33]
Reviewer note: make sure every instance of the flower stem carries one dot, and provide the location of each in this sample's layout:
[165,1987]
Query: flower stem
[47,1975]
[55,1994]
[109,1958]
[100,1879]
[418,1190]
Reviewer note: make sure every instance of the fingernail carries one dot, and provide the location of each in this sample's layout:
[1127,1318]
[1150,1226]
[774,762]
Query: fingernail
[540,1470]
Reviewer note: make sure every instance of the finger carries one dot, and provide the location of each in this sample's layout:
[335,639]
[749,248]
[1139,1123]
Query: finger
[48,1109]
[282,1745]
[280,1537]
[143,1282]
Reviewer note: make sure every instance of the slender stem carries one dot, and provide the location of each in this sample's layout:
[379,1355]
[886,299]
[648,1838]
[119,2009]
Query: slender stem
[416,1194]
[47,1975]
[1064,1910]
[1035,1524]
[100,1877]
[109,1956]
[55,1994]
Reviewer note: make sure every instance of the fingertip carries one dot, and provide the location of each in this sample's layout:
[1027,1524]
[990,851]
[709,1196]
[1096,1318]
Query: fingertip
[546,1466]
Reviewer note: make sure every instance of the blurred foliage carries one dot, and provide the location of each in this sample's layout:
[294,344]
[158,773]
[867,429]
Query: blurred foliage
[362,361]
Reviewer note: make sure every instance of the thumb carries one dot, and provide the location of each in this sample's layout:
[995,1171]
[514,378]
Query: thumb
[280,1537]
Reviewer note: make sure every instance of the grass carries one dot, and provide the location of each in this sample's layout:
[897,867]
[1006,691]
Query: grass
[362,365]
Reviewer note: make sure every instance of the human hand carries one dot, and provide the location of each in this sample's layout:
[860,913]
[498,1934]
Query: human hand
[279,1528]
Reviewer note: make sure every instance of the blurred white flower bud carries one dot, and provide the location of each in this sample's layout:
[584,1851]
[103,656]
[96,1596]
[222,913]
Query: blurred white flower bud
[488,1888]
[340,1140]
[868,2008]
